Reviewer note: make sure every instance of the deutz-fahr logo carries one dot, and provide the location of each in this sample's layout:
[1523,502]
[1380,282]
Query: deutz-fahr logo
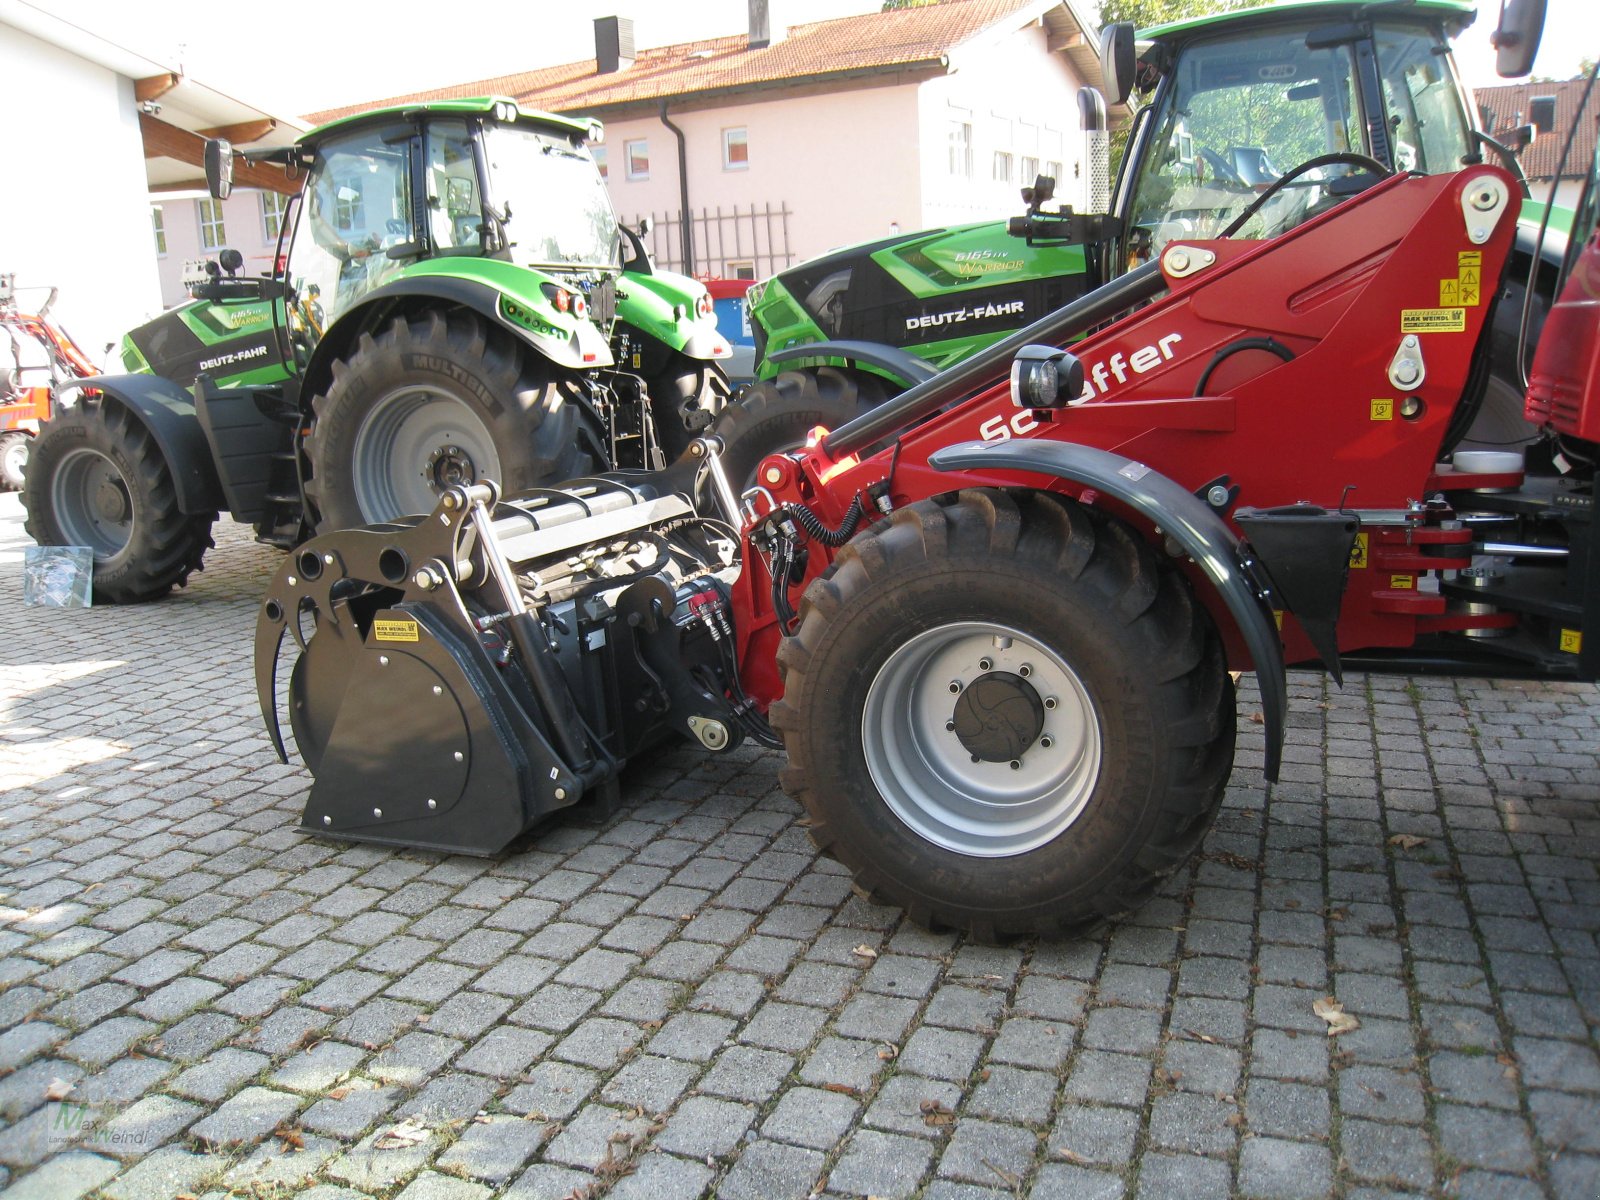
[955,316]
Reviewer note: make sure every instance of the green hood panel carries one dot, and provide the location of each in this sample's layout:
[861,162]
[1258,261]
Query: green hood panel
[662,305]
[974,256]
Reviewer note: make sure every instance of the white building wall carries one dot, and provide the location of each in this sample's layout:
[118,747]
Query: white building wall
[242,223]
[1021,101]
[844,163]
[72,211]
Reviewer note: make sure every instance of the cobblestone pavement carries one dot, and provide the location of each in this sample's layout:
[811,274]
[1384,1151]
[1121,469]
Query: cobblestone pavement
[687,1000]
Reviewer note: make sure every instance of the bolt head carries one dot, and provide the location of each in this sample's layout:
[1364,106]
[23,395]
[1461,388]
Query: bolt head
[1216,495]
[327,820]
[383,660]
[460,757]
[292,581]
[377,812]
[773,475]
[1178,260]
[432,803]
[437,690]
[328,558]
[561,793]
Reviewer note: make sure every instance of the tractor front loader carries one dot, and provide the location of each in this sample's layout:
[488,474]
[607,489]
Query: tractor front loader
[993,622]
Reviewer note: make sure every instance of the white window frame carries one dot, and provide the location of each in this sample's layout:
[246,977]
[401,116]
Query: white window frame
[1030,169]
[1004,167]
[742,134]
[158,223]
[213,223]
[271,213]
[627,154]
[741,268]
[958,139]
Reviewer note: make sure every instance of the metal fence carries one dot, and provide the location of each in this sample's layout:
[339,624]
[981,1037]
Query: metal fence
[734,243]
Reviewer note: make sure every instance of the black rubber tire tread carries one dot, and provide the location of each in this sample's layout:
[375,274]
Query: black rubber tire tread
[687,387]
[10,480]
[532,414]
[1122,616]
[166,545]
[776,414]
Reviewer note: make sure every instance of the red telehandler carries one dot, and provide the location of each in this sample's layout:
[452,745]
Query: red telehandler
[36,357]
[994,622]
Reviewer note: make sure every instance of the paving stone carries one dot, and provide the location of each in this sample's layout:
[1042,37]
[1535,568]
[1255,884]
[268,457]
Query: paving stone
[1196,1124]
[747,1073]
[1380,1094]
[1483,1138]
[1287,1110]
[597,1134]
[1094,1135]
[651,1083]
[769,1170]
[248,1116]
[899,1103]
[880,1164]
[1278,1170]
[1169,1175]
[705,1128]
[1385,1152]
[162,1174]
[1057,1181]
[219,1074]
[494,1148]
[1109,1079]
[811,1117]
[64,1177]
[351,1113]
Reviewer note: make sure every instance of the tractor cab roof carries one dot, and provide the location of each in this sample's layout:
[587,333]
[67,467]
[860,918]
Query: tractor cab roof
[501,108]
[1457,14]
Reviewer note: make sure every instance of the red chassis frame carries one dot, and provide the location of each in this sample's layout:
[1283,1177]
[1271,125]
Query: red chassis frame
[1341,293]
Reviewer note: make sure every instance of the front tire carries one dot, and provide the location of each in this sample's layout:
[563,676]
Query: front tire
[775,415]
[1005,714]
[434,400]
[97,478]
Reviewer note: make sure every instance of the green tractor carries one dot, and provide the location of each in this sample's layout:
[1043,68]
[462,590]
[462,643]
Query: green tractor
[1251,122]
[458,302]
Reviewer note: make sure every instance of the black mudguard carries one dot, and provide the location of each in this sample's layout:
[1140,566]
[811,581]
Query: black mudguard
[1187,520]
[168,412]
[907,367]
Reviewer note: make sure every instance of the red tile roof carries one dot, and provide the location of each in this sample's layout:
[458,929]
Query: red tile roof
[1539,160]
[900,38]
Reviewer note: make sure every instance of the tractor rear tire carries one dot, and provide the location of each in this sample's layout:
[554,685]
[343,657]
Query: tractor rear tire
[775,415]
[685,400]
[97,478]
[436,399]
[13,459]
[1006,714]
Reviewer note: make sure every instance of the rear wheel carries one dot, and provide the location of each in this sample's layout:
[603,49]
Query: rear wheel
[1006,714]
[13,459]
[775,415]
[97,478]
[433,401]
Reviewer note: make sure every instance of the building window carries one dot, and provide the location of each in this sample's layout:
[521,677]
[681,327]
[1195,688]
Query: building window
[960,142]
[347,205]
[1002,166]
[212,233]
[598,153]
[273,205]
[741,270]
[638,155]
[735,149]
[1053,169]
[158,222]
[1030,170]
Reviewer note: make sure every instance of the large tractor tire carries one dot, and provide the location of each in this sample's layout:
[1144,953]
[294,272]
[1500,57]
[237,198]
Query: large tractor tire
[1006,715]
[685,400]
[13,459]
[438,399]
[775,415]
[97,478]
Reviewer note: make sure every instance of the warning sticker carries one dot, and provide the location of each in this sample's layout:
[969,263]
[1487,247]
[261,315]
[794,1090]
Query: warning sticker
[395,631]
[1358,552]
[1449,293]
[1402,583]
[1433,320]
[1571,641]
[1469,258]
[1383,410]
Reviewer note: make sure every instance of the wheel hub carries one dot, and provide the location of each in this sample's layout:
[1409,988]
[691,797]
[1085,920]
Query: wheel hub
[451,466]
[111,501]
[998,717]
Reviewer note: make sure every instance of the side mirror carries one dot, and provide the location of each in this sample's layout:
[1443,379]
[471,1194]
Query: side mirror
[1045,377]
[1542,113]
[646,224]
[1516,38]
[219,167]
[1117,63]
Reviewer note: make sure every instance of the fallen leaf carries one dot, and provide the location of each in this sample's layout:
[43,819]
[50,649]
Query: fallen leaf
[1407,841]
[1257,719]
[1006,1177]
[1331,1011]
[888,1053]
[1234,1120]
[844,1089]
[1201,1037]
[338,1093]
[1338,914]
[290,1137]
[409,1132]
[936,1113]
[1071,1156]
[865,951]
[58,1089]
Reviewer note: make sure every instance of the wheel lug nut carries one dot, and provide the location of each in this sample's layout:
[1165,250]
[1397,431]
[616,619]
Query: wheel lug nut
[1025,670]
[975,758]
[955,687]
[1046,742]
[1049,701]
[1016,764]
[950,726]
[986,664]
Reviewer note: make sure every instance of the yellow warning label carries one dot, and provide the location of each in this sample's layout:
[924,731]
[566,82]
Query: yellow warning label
[1402,583]
[1383,410]
[1449,293]
[1467,286]
[1469,258]
[1433,320]
[1358,552]
[1277,615]
[1571,641]
[395,631]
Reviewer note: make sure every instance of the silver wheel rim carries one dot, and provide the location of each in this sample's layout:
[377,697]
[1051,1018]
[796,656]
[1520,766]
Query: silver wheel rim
[16,456]
[413,444]
[92,503]
[927,776]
